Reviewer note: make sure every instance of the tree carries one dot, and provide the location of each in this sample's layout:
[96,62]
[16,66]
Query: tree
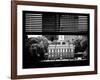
[37,47]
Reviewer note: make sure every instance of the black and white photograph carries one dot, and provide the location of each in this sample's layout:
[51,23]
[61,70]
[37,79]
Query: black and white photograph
[55,39]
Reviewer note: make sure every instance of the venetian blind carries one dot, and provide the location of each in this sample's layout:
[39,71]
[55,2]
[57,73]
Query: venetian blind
[55,22]
[33,22]
[49,23]
[73,23]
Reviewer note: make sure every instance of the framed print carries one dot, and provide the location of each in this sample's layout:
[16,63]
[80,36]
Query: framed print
[53,39]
